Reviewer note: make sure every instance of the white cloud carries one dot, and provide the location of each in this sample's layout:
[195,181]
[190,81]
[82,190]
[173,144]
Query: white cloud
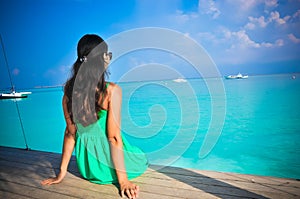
[135,61]
[266,44]
[260,21]
[296,14]
[250,26]
[275,16]
[263,22]
[248,4]
[279,42]
[181,17]
[238,39]
[209,7]
[227,34]
[59,74]
[206,36]
[16,71]
[271,3]
[294,39]
[244,5]
[241,40]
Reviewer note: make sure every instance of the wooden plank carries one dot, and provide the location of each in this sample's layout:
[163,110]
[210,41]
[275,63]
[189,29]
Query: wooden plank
[11,195]
[30,191]
[70,185]
[73,186]
[21,169]
[268,186]
[153,184]
[14,172]
[236,182]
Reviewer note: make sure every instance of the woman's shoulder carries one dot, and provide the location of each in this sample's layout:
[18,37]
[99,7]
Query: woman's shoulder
[113,87]
[114,91]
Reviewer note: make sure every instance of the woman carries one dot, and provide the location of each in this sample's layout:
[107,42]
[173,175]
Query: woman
[92,110]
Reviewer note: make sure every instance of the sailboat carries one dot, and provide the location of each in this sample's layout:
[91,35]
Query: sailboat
[12,94]
[238,76]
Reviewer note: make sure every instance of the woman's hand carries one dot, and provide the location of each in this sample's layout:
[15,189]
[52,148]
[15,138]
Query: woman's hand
[55,180]
[130,189]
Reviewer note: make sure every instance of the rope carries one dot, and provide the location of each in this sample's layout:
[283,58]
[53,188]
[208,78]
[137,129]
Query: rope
[12,86]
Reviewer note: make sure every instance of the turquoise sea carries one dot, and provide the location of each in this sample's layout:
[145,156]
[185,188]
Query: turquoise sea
[252,126]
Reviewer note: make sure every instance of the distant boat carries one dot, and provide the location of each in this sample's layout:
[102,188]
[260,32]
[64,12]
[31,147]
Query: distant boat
[179,80]
[238,76]
[14,94]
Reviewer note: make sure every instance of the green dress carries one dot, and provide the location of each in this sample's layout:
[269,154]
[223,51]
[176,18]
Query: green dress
[93,154]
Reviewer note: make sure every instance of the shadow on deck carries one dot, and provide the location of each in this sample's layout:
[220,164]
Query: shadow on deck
[21,172]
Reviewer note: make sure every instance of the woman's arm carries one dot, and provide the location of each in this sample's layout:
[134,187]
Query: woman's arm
[68,147]
[116,144]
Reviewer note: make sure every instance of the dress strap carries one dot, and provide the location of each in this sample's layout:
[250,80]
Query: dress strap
[106,85]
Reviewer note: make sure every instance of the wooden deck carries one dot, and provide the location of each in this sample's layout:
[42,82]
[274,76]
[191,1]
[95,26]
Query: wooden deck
[21,172]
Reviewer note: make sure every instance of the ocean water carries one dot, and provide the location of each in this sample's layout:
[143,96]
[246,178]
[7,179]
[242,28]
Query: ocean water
[249,126]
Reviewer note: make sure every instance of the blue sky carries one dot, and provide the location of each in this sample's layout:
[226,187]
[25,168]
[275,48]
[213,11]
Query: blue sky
[248,36]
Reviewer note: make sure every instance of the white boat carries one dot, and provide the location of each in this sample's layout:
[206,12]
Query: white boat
[179,80]
[14,95]
[238,76]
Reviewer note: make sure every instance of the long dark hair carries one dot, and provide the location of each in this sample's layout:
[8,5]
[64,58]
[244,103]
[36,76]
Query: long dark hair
[87,82]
